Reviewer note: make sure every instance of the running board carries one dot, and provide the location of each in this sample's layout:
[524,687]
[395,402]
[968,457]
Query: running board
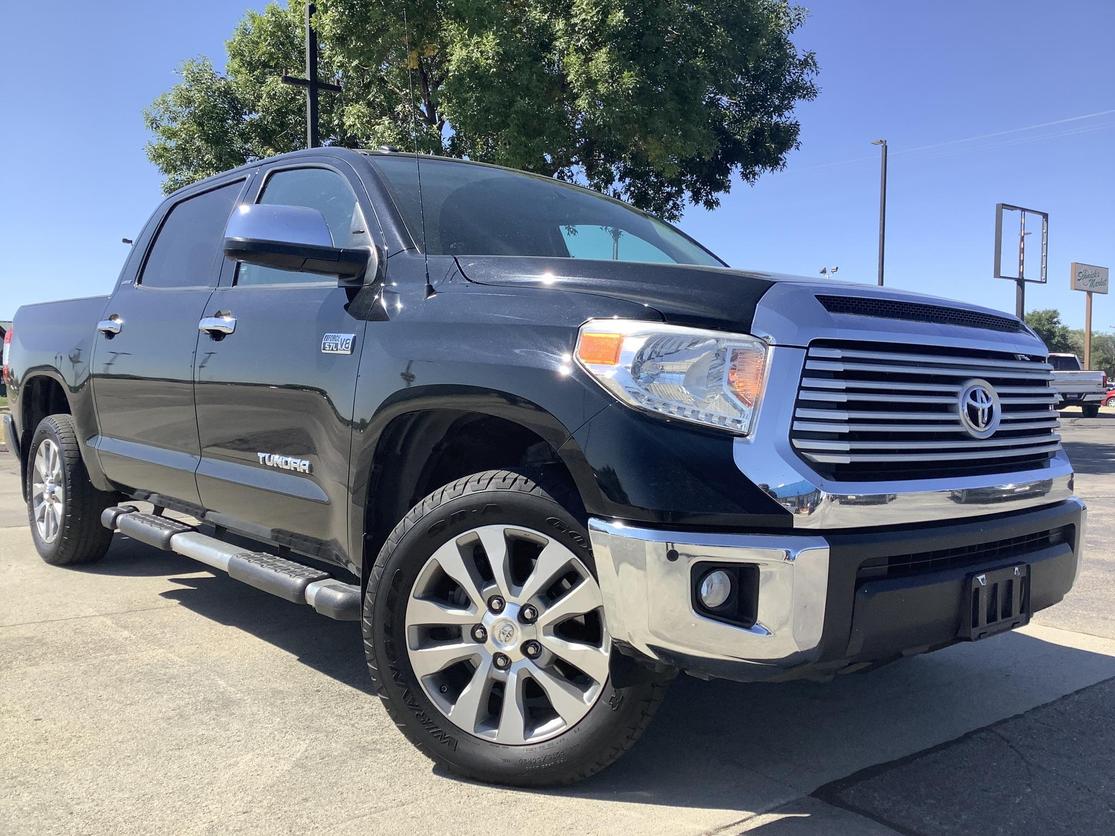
[287,579]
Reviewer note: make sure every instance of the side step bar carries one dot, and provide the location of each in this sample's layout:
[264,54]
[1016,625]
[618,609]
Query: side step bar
[285,578]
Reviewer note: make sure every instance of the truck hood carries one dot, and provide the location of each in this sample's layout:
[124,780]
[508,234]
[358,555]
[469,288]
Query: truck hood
[682,294]
[783,309]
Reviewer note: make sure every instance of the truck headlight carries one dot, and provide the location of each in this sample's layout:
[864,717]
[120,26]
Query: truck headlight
[707,377]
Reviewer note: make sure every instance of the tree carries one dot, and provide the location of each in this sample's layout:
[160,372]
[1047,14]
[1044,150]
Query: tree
[1055,334]
[658,102]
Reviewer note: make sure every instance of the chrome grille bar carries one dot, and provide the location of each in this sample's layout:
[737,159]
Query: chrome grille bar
[867,409]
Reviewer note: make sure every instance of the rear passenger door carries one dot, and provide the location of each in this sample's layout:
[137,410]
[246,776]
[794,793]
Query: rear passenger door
[274,396]
[143,356]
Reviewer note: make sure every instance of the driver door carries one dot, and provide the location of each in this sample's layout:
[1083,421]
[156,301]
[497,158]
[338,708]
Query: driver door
[275,394]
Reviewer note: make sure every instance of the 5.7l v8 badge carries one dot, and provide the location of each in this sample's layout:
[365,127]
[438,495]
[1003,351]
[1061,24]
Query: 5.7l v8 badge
[337,343]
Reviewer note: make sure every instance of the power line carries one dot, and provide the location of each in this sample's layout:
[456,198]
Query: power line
[997,135]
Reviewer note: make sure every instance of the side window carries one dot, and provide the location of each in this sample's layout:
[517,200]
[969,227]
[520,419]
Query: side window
[607,243]
[316,188]
[185,250]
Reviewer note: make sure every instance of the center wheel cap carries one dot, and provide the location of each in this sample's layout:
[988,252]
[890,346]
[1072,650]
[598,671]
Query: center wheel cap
[505,633]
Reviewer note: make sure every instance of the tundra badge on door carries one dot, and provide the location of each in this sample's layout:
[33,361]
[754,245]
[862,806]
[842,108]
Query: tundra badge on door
[285,462]
[337,343]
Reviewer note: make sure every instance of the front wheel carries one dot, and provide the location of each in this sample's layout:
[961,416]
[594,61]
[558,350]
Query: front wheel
[63,506]
[485,636]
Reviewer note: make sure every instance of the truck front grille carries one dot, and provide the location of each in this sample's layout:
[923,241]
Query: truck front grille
[874,411]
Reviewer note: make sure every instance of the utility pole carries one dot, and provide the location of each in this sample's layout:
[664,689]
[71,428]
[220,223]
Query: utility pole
[311,82]
[882,143]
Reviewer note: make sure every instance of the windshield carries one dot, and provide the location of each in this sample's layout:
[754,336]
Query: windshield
[481,210]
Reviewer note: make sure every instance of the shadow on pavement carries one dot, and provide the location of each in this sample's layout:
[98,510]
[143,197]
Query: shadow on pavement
[713,744]
[722,744]
[1091,458]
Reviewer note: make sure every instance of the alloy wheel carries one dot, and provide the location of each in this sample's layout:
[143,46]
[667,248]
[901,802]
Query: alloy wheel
[48,492]
[506,634]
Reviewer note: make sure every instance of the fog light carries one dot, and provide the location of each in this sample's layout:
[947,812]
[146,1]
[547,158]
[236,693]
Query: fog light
[715,588]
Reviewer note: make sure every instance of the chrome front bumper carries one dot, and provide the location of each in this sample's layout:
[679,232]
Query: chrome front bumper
[647,581]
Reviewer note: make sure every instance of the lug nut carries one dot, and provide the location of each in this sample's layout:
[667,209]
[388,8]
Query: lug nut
[528,614]
[496,604]
[500,661]
[479,633]
[532,649]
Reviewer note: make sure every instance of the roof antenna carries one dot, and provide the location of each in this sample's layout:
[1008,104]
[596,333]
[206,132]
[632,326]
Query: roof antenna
[414,138]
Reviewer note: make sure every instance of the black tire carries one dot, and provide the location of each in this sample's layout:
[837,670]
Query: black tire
[1090,410]
[80,537]
[611,726]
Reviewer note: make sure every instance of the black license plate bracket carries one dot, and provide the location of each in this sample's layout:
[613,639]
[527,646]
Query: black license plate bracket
[995,601]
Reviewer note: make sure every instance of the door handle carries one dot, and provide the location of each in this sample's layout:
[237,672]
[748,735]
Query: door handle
[220,324]
[110,327]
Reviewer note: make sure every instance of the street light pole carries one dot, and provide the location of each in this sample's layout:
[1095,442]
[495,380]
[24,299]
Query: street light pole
[882,143]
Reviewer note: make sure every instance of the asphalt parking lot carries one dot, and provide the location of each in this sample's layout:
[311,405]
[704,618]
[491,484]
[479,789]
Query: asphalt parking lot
[146,694]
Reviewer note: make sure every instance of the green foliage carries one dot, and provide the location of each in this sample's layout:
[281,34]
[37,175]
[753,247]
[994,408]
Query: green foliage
[658,102]
[1103,350]
[1055,334]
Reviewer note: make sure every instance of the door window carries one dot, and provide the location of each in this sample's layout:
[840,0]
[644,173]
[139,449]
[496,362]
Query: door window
[316,188]
[185,250]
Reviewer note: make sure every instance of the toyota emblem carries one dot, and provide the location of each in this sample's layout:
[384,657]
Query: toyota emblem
[979,408]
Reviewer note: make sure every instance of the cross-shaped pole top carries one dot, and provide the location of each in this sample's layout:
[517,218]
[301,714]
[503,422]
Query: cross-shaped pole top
[311,82]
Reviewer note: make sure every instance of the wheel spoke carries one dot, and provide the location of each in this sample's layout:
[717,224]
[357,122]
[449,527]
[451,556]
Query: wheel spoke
[451,561]
[592,660]
[568,702]
[467,711]
[512,716]
[581,599]
[40,511]
[438,657]
[425,611]
[494,540]
[552,559]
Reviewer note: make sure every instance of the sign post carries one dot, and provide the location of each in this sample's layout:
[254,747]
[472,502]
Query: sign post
[1008,268]
[1090,279]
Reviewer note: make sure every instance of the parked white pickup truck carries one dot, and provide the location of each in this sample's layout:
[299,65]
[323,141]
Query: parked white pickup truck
[1076,386]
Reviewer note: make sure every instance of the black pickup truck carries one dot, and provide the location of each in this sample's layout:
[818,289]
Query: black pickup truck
[548,449]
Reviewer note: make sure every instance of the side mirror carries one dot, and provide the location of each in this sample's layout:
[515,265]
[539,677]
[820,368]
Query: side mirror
[294,238]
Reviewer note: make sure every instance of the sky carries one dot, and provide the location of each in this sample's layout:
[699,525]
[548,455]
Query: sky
[981,102]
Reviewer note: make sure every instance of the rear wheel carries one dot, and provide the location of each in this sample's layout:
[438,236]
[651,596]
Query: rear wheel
[1090,410]
[63,506]
[485,635]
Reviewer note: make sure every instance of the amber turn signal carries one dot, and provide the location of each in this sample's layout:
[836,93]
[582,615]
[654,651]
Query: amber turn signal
[745,375]
[599,349]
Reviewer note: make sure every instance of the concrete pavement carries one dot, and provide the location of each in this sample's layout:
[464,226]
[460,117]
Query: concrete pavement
[147,695]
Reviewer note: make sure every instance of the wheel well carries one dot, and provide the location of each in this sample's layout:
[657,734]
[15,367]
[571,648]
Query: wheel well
[419,452]
[41,396]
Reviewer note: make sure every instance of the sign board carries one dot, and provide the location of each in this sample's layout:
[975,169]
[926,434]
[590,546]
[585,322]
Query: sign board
[1089,277]
[1021,244]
